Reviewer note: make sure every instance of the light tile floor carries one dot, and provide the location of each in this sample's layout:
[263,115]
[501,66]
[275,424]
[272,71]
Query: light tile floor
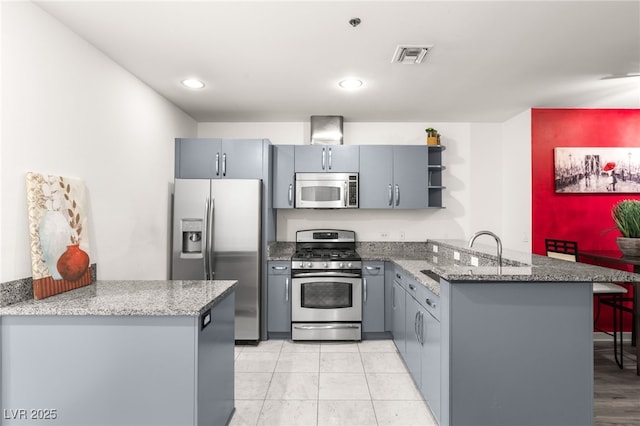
[283,383]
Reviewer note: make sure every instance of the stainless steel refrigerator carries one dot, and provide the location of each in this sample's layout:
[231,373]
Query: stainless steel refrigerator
[216,236]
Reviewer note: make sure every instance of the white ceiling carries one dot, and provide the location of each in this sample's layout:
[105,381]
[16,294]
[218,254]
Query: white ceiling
[281,61]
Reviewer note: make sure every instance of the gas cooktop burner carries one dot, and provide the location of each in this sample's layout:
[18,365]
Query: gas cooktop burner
[324,254]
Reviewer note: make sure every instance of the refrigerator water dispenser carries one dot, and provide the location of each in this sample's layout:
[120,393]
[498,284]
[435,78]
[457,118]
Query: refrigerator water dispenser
[191,238]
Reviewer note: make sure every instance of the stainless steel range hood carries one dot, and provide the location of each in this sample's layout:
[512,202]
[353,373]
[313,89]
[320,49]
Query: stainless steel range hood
[326,129]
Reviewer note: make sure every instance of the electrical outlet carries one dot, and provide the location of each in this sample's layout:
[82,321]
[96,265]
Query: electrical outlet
[456,255]
[434,259]
[401,235]
[474,261]
[435,248]
[384,235]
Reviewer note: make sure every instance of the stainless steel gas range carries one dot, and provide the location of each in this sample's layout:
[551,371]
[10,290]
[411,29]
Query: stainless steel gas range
[326,286]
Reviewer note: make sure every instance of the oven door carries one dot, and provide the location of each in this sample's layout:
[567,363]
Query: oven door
[319,299]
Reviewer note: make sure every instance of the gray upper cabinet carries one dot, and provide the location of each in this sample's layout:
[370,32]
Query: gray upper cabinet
[283,185]
[204,158]
[394,177]
[327,158]
[376,177]
[410,177]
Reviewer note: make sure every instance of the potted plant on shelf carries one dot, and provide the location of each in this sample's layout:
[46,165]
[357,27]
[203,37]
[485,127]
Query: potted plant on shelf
[433,138]
[626,216]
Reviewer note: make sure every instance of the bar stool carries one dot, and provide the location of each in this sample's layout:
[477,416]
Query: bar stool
[607,293]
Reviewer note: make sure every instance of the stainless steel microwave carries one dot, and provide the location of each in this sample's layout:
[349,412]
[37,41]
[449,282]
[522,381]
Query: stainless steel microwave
[326,191]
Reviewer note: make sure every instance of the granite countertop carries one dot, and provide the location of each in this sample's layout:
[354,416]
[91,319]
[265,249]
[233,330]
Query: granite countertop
[105,298]
[517,266]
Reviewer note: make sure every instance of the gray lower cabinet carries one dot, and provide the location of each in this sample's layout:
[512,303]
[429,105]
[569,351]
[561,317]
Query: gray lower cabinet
[283,170]
[413,355]
[373,297]
[431,367]
[327,158]
[394,177]
[118,370]
[389,271]
[423,341]
[399,316]
[279,297]
[205,158]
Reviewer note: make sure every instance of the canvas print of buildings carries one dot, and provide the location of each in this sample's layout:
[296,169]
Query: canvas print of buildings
[589,170]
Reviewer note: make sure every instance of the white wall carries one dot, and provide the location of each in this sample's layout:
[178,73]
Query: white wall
[417,225]
[516,182]
[67,109]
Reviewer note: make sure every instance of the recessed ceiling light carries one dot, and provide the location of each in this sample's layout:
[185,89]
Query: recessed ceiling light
[350,83]
[193,83]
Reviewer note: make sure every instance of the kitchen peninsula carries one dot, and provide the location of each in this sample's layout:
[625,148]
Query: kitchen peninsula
[516,344]
[489,346]
[120,353]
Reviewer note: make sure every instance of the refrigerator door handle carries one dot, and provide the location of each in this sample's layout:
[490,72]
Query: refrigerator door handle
[324,154]
[217,164]
[206,239]
[330,158]
[210,238]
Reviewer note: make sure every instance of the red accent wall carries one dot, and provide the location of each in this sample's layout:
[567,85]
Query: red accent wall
[585,218]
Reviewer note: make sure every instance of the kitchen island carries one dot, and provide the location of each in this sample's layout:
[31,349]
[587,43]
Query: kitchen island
[120,353]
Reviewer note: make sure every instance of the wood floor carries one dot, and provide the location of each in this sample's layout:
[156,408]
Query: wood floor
[616,392]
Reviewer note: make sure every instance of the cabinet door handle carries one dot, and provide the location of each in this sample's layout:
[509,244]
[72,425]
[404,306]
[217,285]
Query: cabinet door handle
[415,326]
[393,297]
[286,289]
[364,286]
[330,158]
[422,328]
[372,268]
[279,268]
[430,303]
[397,195]
[324,158]
[217,164]
[412,287]
[390,195]
[290,194]
[224,164]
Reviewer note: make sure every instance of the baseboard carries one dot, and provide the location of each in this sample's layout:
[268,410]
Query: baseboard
[600,336]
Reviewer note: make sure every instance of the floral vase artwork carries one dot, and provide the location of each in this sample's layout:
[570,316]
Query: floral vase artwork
[54,234]
[60,255]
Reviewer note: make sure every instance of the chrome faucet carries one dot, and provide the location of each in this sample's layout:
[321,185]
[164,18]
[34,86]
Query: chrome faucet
[498,243]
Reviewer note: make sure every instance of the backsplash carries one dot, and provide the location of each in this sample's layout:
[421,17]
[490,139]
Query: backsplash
[19,290]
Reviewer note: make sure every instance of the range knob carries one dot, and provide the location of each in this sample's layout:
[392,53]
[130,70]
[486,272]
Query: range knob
[341,265]
[325,265]
[349,265]
[301,265]
[309,264]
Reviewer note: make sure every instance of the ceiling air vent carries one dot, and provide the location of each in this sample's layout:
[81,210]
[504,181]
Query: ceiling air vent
[410,54]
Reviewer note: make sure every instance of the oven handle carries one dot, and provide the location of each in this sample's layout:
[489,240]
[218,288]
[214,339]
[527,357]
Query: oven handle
[325,274]
[325,327]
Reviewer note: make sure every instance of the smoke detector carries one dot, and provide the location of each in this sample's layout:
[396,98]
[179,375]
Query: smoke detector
[411,54]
